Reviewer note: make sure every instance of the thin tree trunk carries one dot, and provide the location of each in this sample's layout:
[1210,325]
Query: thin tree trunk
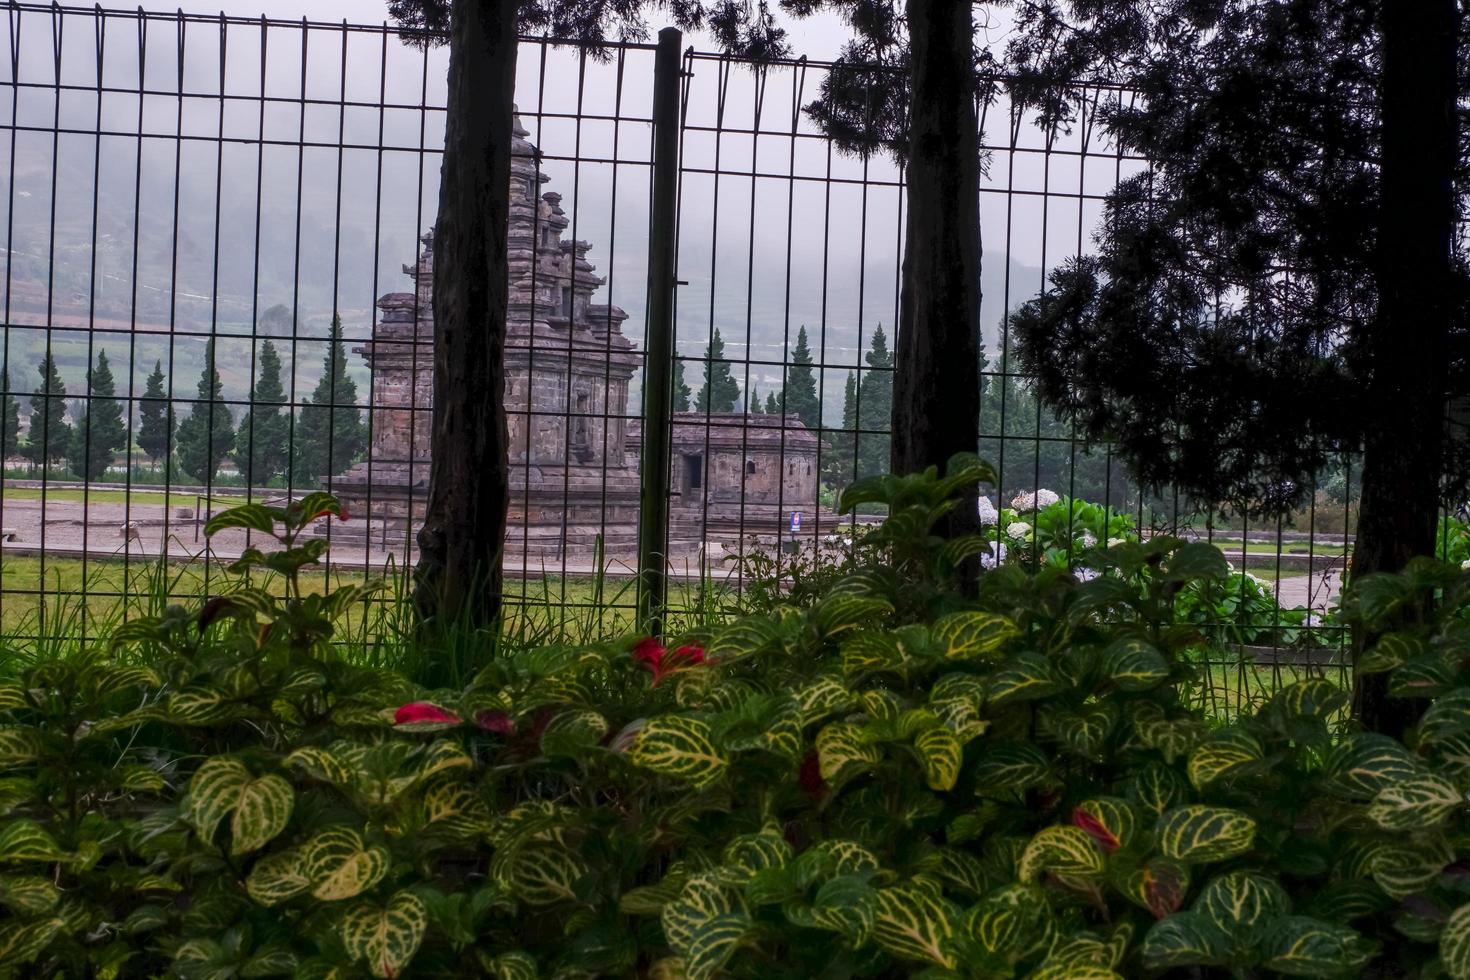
[936,385]
[463,537]
[1404,450]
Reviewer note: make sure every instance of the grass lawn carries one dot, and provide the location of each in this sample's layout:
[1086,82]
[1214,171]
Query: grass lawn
[153,497]
[71,607]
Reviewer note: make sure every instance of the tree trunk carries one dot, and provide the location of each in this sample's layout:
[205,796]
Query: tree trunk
[463,537]
[1406,351]
[936,385]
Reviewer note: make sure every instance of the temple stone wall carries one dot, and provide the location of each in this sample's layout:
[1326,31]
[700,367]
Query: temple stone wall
[574,472]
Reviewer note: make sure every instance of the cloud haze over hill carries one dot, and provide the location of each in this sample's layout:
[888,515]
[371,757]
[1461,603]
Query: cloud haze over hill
[203,208]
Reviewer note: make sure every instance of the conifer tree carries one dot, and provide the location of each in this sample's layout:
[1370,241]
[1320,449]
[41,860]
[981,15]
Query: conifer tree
[9,417]
[799,397]
[207,435]
[155,417]
[773,405]
[681,390]
[260,445]
[875,408]
[721,392]
[49,435]
[101,430]
[753,401]
[837,461]
[330,434]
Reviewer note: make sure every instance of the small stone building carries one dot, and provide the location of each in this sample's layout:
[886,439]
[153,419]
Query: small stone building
[574,471]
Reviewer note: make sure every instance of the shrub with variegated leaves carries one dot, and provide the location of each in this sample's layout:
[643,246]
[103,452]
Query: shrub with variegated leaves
[890,780]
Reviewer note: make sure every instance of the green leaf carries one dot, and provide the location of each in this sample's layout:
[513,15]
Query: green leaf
[1415,803]
[705,925]
[1223,753]
[821,697]
[541,873]
[278,877]
[259,808]
[1157,787]
[842,753]
[571,733]
[1391,650]
[19,745]
[26,840]
[914,923]
[941,754]
[1084,732]
[1299,946]
[1409,864]
[1134,664]
[651,899]
[386,936]
[1183,939]
[28,894]
[515,965]
[252,516]
[340,865]
[973,635]
[1196,561]
[873,652]
[1010,767]
[22,942]
[840,613]
[1454,944]
[1363,764]
[1061,850]
[1024,677]
[680,747]
[1241,900]
[1448,715]
[1200,834]
[743,638]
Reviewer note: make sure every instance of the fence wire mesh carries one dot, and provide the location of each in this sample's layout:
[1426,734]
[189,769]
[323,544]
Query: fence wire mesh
[216,288]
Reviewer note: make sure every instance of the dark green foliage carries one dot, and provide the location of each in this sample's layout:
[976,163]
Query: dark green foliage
[156,417]
[1033,447]
[753,400]
[885,780]
[9,417]
[875,407]
[207,434]
[799,395]
[261,443]
[1181,340]
[773,405]
[50,436]
[330,433]
[839,459]
[721,392]
[681,390]
[101,431]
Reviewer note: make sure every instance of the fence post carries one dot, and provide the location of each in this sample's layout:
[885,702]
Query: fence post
[658,364]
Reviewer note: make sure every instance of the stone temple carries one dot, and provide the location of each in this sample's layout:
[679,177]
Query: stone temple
[574,465]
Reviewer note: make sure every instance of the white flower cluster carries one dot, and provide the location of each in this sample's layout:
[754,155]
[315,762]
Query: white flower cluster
[1083,574]
[1037,500]
[989,516]
[1019,530]
[1087,540]
[996,556]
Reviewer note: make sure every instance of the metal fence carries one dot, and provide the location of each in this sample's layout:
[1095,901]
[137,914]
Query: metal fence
[237,209]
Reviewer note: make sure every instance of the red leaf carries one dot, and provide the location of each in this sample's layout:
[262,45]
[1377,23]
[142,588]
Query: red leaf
[1162,890]
[810,777]
[1095,829]
[422,711]
[495,721]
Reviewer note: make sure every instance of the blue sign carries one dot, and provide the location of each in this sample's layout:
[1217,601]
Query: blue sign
[795,521]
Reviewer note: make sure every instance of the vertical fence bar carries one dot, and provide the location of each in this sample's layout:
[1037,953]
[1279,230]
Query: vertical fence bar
[658,364]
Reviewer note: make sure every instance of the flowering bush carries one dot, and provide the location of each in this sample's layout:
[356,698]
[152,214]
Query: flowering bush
[894,780]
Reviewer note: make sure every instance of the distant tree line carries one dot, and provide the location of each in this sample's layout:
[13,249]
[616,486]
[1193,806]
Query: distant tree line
[194,437]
